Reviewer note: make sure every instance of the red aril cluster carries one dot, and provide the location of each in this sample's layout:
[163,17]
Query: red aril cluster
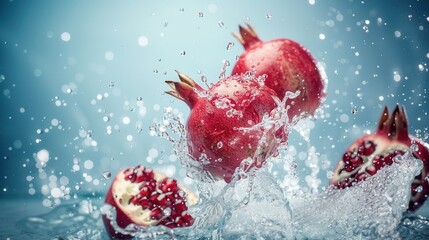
[145,197]
[370,153]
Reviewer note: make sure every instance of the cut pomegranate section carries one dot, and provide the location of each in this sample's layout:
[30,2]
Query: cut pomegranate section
[371,152]
[145,197]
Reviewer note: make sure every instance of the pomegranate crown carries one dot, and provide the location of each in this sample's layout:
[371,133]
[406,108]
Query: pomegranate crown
[247,36]
[185,89]
[394,126]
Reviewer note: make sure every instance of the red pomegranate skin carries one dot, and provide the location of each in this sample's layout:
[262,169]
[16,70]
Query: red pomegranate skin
[141,196]
[215,125]
[288,66]
[371,152]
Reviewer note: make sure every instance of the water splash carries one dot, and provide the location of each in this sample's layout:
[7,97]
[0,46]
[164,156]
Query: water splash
[254,205]
[370,209]
[67,221]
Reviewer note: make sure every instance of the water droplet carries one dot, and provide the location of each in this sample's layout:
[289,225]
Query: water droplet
[229,46]
[65,36]
[107,175]
[419,188]
[407,222]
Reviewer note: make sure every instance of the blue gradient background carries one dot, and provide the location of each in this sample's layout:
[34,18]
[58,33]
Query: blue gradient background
[36,66]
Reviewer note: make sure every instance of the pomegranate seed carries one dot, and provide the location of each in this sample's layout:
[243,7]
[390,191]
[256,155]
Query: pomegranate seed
[156,214]
[361,177]
[180,208]
[371,170]
[169,185]
[378,162]
[347,156]
[368,147]
[145,203]
[388,159]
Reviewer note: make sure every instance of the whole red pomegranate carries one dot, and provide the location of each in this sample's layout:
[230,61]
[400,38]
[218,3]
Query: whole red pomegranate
[221,130]
[144,197]
[288,67]
[371,152]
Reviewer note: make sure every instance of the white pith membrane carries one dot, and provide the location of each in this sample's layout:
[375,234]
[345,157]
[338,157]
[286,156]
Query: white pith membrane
[123,190]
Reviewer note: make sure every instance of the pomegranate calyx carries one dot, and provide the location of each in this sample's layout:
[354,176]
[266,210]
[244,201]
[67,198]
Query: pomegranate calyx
[394,126]
[185,89]
[247,36]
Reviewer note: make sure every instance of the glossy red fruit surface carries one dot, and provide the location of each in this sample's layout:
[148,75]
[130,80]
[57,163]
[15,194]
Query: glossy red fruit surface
[371,152]
[220,129]
[145,197]
[288,67]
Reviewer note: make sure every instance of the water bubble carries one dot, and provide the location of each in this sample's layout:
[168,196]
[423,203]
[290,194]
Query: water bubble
[65,36]
[421,67]
[2,78]
[37,72]
[153,153]
[139,98]
[344,118]
[212,7]
[143,41]
[107,175]
[109,56]
[43,156]
[322,36]
[111,84]
[183,53]
[269,16]
[220,24]
[200,14]
[397,34]
[126,120]
[354,110]
[129,138]
[54,122]
[219,145]
[57,193]
[181,9]
[17,144]
[396,76]
[88,164]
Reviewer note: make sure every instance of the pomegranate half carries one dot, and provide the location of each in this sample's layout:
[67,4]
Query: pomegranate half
[370,153]
[145,197]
